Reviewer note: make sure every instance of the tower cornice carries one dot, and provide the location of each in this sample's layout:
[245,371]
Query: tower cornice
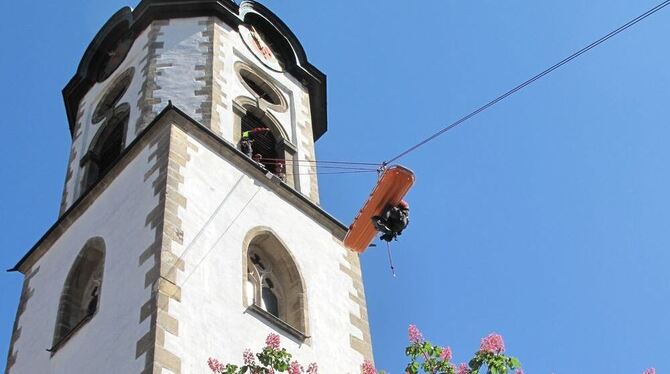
[129,23]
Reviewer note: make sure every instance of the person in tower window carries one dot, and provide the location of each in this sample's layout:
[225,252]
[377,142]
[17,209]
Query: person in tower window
[247,142]
[259,159]
[392,221]
[280,170]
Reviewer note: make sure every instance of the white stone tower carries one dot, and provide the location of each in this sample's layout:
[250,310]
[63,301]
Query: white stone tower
[172,244]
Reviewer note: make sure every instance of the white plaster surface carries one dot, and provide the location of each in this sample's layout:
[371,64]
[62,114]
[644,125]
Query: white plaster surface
[106,344]
[223,205]
[185,47]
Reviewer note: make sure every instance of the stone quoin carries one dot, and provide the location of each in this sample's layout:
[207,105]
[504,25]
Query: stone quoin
[172,245]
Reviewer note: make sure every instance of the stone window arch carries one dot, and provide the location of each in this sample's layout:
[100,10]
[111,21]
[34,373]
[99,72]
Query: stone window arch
[275,149]
[266,94]
[108,103]
[106,146]
[274,287]
[80,298]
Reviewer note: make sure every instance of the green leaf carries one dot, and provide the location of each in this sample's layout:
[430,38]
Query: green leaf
[426,346]
[412,368]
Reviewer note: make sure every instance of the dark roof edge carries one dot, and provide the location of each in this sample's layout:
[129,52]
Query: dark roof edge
[241,158]
[147,11]
[76,203]
[315,79]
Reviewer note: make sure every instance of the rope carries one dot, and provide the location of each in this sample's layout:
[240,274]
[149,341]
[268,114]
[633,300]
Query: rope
[533,79]
[335,172]
[216,242]
[388,250]
[206,224]
[376,164]
[324,166]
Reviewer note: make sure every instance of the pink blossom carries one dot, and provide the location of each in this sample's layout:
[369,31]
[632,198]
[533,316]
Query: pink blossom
[445,355]
[493,343]
[272,341]
[215,365]
[295,368]
[368,367]
[415,335]
[650,371]
[248,357]
[463,368]
[271,371]
[518,371]
[313,368]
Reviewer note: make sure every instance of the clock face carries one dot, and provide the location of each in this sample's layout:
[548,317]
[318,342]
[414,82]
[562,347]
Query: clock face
[260,47]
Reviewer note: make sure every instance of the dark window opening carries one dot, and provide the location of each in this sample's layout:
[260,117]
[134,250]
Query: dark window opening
[270,301]
[261,88]
[106,150]
[81,292]
[256,260]
[265,148]
[110,100]
[110,150]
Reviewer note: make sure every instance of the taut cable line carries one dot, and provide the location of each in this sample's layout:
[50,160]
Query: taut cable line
[323,166]
[533,79]
[375,164]
[336,172]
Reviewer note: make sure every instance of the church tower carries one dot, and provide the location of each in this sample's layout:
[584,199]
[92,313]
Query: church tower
[172,244]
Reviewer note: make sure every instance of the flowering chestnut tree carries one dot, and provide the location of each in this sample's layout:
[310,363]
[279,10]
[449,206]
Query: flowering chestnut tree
[428,358]
[272,359]
[424,357]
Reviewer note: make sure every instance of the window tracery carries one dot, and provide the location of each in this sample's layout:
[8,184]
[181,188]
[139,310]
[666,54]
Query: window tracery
[106,147]
[80,298]
[109,141]
[274,284]
[109,101]
[264,290]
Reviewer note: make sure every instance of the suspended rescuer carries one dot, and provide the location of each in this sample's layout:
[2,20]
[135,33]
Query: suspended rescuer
[392,221]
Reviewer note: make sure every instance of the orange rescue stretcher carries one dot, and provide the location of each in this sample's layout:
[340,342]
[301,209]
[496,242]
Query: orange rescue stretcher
[391,187]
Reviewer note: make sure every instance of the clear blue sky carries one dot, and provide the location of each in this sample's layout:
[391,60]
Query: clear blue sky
[545,219]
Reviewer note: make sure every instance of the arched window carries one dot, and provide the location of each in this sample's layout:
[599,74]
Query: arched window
[268,148]
[263,289]
[110,100]
[271,148]
[80,298]
[261,88]
[106,147]
[274,285]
